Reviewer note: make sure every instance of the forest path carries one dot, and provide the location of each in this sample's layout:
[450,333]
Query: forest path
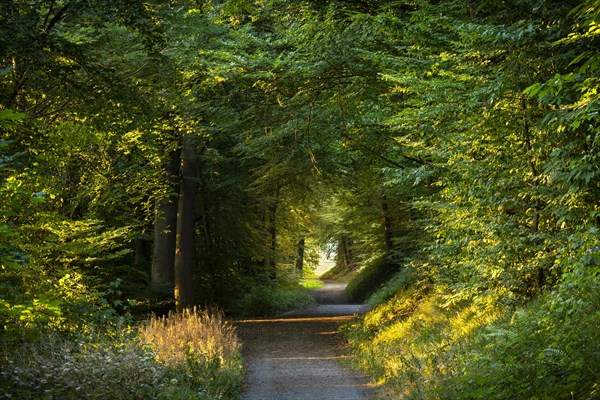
[297,355]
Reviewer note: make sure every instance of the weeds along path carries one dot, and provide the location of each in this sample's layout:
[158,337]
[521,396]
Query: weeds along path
[297,355]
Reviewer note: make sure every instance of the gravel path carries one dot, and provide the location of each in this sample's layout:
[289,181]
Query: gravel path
[297,355]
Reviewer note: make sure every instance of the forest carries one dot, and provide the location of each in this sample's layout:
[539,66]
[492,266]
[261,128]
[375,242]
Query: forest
[192,159]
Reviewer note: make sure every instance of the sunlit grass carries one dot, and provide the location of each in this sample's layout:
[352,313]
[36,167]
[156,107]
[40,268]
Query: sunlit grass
[421,346]
[311,283]
[410,341]
[202,346]
[189,356]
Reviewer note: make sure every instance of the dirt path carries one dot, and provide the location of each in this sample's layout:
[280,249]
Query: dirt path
[297,356]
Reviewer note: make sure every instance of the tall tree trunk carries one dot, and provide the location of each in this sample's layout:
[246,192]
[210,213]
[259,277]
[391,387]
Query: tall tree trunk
[535,223]
[164,245]
[142,252]
[348,252]
[387,224]
[165,222]
[300,259]
[344,253]
[209,240]
[184,248]
[272,259]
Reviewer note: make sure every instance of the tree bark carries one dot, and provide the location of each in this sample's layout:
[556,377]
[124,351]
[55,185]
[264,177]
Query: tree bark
[165,223]
[344,253]
[164,246]
[272,259]
[300,259]
[535,224]
[184,248]
[142,252]
[387,223]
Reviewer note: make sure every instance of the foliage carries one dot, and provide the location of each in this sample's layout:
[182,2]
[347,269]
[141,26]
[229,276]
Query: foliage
[481,349]
[509,212]
[373,274]
[267,299]
[56,368]
[401,280]
[190,356]
[311,283]
[455,140]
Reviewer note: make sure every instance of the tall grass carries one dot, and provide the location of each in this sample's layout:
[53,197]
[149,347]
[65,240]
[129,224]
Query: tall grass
[421,348]
[188,356]
[201,347]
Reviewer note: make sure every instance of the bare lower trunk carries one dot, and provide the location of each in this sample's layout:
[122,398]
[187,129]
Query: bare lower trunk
[387,224]
[300,259]
[344,253]
[164,245]
[184,249]
[142,252]
[165,222]
[272,259]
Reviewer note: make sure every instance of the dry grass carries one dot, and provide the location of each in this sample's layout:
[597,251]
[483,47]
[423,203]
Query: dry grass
[202,346]
[189,356]
[193,331]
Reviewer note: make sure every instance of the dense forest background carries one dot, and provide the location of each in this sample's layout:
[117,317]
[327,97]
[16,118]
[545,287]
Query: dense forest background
[160,154]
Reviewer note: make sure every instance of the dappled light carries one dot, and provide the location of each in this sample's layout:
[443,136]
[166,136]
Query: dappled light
[298,353]
[408,186]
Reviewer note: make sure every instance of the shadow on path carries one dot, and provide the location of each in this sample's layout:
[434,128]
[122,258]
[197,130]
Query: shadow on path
[296,355]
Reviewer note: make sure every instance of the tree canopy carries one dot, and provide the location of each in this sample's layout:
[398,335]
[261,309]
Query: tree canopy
[189,152]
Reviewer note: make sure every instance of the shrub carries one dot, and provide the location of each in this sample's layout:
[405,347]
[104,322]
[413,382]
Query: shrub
[423,348]
[268,299]
[549,350]
[400,281]
[410,341]
[370,278]
[106,368]
[189,356]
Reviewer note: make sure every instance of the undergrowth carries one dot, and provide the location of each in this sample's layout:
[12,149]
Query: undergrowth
[370,278]
[264,299]
[421,346]
[189,356]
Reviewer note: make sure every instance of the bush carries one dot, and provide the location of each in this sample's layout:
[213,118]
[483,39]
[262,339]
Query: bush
[550,350]
[411,341]
[57,368]
[400,281]
[370,278]
[192,356]
[268,299]
[423,348]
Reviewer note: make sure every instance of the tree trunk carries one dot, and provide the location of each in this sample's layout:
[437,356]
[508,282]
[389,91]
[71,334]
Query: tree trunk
[344,254]
[163,253]
[272,259]
[535,223]
[165,222]
[184,248]
[387,224]
[300,259]
[142,252]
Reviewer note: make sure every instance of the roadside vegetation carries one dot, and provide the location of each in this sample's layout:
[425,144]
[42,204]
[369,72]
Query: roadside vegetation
[421,343]
[158,156]
[189,356]
[499,298]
